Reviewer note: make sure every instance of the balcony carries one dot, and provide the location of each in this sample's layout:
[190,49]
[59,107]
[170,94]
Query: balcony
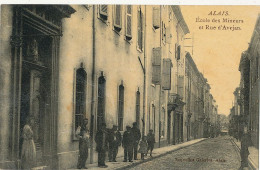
[175,103]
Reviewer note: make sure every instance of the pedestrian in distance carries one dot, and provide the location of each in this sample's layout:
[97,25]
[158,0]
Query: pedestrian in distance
[127,143]
[28,154]
[136,138]
[83,135]
[150,142]
[143,147]
[244,152]
[114,142]
[101,140]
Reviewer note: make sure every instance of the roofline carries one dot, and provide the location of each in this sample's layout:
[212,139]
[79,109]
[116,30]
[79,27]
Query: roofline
[177,12]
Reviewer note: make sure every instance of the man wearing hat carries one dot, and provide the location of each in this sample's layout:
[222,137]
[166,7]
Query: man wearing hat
[83,135]
[128,144]
[136,138]
[101,140]
[114,143]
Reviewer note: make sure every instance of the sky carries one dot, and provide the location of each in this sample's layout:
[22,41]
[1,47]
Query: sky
[217,52]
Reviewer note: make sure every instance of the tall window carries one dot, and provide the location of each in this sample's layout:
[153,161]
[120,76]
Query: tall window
[101,101]
[117,17]
[81,79]
[163,33]
[138,108]
[153,112]
[140,30]
[121,108]
[163,122]
[103,11]
[128,22]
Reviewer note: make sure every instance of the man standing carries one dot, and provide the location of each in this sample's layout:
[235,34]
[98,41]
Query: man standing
[114,143]
[83,135]
[101,141]
[245,142]
[128,144]
[150,141]
[136,139]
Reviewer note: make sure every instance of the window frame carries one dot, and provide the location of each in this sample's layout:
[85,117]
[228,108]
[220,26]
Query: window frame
[121,91]
[117,27]
[75,94]
[128,36]
[138,107]
[140,29]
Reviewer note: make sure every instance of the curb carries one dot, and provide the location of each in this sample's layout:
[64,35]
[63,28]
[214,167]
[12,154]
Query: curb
[250,162]
[157,156]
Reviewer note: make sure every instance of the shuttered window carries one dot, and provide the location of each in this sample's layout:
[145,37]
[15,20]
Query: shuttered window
[117,17]
[178,51]
[128,22]
[156,18]
[156,65]
[166,74]
[103,11]
[121,108]
[163,33]
[138,108]
[140,30]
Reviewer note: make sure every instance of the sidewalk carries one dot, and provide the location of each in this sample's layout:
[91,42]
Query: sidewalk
[253,157]
[158,152]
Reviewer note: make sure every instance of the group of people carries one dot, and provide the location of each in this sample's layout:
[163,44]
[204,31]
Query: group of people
[109,140]
[131,140]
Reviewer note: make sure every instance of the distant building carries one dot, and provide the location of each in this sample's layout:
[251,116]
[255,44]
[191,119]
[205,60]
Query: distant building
[253,55]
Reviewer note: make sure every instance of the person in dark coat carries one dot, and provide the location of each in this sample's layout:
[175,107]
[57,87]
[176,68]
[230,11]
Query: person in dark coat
[127,143]
[150,141]
[114,143]
[101,140]
[245,142]
[83,144]
[136,139]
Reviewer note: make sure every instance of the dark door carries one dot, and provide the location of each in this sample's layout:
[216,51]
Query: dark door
[169,127]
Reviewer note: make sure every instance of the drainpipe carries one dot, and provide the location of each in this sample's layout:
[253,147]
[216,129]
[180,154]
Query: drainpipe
[144,71]
[160,86]
[93,88]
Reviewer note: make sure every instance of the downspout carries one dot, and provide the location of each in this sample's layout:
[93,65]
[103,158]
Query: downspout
[144,71]
[160,86]
[93,87]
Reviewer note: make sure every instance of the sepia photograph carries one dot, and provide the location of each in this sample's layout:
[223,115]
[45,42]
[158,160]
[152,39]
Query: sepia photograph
[129,86]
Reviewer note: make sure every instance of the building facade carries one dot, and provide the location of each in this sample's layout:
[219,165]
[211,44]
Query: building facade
[112,64]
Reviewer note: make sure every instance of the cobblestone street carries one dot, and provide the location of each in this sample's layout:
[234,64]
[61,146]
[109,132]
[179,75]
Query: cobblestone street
[216,153]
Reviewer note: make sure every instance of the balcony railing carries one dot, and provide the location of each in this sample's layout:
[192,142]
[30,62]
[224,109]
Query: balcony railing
[175,102]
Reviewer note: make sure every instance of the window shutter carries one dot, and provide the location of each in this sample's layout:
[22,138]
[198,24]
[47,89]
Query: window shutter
[156,18]
[178,52]
[156,64]
[140,30]
[129,21]
[103,10]
[117,17]
[166,74]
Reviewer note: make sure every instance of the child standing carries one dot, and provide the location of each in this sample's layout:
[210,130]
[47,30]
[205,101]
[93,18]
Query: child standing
[143,147]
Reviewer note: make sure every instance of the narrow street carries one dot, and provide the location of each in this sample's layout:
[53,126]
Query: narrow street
[215,153]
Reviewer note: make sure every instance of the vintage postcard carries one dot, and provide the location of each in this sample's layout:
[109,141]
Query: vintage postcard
[110,86]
